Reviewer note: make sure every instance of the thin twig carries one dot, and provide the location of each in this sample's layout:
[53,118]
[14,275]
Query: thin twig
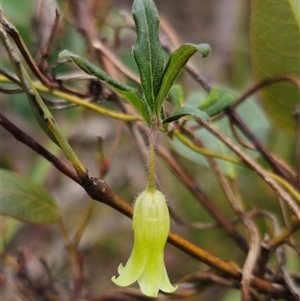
[80,102]
[236,120]
[15,35]
[46,51]
[201,226]
[83,222]
[202,280]
[293,287]
[107,53]
[297,131]
[12,78]
[74,265]
[259,170]
[276,243]
[11,90]
[13,32]
[265,252]
[24,138]
[281,237]
[265,83]
[236,205]
[190,184]
[239,139]
[205,152]
[194,146]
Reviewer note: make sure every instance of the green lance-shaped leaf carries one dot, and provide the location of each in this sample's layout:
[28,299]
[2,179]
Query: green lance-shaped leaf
[188,111]
[177,61]
[148,52]
[127,92]
[26,200]
[176,96]
[275,45]
[217,100]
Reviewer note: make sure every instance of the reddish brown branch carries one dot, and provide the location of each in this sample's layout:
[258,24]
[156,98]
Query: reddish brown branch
[236,120]
[24,138]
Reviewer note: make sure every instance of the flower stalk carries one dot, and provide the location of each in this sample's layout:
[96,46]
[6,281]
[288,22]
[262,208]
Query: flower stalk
[151,158]
[151,225]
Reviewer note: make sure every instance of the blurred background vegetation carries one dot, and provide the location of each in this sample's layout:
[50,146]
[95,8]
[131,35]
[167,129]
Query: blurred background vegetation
[107,238]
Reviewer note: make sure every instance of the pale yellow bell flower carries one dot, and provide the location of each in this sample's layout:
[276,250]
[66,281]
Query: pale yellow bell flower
[151,224]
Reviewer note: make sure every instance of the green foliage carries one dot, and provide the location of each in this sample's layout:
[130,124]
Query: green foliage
[148,51]
[188,111]
[275,44]
[217,100]
[177,61]
[26,200]
[156,80]
[253,116]
[176,96]
[129,93]
[12,226]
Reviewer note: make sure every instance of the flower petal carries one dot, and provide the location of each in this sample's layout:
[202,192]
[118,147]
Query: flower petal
[133,268]
[137,260]
[166,285]
[155,235]
[150,280]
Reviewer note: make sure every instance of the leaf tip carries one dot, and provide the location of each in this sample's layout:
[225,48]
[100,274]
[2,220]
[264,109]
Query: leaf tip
[204,49]
[63,56]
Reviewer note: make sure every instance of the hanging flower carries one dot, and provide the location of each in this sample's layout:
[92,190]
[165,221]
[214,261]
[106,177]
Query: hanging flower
[151,224]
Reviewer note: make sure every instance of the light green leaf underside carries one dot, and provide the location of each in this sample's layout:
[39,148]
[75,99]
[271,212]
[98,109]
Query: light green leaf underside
[26,200]
[275,50]
[148,51]
[176,96]
[176,62]
[217,100]
[188,111]
[127,92]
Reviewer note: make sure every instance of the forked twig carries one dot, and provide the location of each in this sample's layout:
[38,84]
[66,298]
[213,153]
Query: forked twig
[259,170]
[236,120]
